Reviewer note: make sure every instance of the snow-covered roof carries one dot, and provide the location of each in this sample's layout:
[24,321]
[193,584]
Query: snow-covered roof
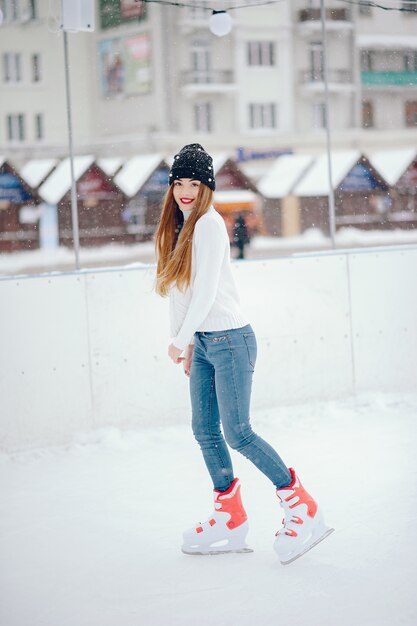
[392,164]
[234,195]
[136,172]
[255,170]
[110,165]
[36,170]
[316,180]
[283,175]
[387,42]
[218,161]
[59,182]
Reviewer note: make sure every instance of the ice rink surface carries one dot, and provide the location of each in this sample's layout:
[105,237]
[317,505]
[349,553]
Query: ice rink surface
[90,533]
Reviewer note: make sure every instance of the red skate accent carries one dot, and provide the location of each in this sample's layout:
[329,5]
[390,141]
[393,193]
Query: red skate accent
[228,491]
[199,529]
[291,533]
[230,502]
[297,520]
[303,496]
[212,522]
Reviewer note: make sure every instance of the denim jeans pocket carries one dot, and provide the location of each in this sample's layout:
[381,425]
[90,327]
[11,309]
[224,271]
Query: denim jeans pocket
[215,336]
[250,341]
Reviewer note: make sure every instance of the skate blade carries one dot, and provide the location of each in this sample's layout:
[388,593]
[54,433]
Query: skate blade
[328,532]
[213,552]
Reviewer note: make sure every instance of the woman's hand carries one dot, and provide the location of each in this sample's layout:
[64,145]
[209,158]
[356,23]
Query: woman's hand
[188,359]
[174,354]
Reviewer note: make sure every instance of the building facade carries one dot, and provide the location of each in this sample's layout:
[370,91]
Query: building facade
[150,78]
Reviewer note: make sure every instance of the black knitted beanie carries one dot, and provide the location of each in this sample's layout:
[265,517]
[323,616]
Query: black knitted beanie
[192,161]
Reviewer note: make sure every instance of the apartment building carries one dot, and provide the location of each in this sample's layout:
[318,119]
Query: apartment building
[151,77]
[387,47]
[32,79]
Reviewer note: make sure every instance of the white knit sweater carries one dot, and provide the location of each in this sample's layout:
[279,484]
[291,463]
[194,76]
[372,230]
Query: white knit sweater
[211,302]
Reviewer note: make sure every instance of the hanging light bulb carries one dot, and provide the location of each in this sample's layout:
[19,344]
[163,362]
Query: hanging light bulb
[220,23]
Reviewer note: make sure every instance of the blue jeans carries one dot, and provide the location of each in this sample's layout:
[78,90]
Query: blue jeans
[220,387]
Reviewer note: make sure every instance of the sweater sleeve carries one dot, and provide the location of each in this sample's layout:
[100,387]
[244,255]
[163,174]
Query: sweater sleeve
[208,257]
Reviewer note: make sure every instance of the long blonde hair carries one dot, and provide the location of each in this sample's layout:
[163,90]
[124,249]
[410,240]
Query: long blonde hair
[173,240]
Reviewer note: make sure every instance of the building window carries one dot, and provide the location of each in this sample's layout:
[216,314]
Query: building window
[32,9]
[319,115]
[316,61]
[36,68]
[12,67]
[263,115]
[411,113]
[200,61]
[16,127]
[10,9]
[202,117]
[367,114]
[18,10]
[6,9]
[261,53]
[366,60]
[410,61]
[39,129]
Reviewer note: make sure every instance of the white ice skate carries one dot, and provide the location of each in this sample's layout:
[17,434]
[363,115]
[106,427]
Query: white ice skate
[225,531]
[303,524]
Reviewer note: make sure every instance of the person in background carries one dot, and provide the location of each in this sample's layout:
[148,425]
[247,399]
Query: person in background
[216,345]
[240,235]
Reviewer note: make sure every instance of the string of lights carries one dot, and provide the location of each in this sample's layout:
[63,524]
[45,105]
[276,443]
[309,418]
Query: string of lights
[406,7]
[220,22]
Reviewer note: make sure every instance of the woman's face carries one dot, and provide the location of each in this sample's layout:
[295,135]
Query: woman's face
[186,192]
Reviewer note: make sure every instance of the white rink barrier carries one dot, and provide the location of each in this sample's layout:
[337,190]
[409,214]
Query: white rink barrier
[88,349]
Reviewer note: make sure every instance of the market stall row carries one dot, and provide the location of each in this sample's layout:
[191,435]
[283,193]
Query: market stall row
[119,199]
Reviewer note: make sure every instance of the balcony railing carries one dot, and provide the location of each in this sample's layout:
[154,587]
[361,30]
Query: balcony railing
[313,15]
[333,76]
[207,77]
[381,79]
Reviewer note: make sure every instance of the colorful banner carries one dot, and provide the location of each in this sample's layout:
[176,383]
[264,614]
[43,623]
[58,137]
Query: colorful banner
[12,189]
[132,8]
[116,12]
[125,65]
[409,178]
[137,51]
[408,79]
[360,178]
[246,154]
[158,182]
[95,185]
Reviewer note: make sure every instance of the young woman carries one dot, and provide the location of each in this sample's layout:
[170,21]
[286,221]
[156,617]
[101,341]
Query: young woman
[214,341]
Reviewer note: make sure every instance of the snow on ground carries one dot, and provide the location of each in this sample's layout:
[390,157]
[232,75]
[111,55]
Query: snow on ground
[345,237]
[90,534]
[63,258]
